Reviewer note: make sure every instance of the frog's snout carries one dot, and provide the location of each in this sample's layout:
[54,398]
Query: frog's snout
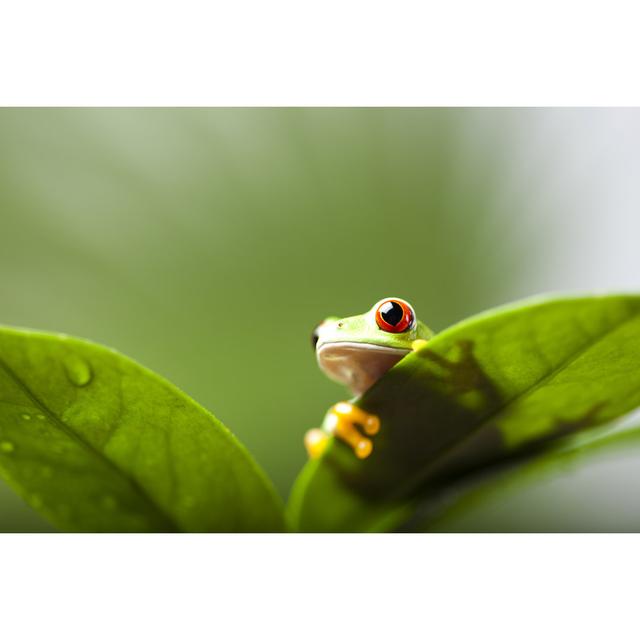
[317,332]
[315,336]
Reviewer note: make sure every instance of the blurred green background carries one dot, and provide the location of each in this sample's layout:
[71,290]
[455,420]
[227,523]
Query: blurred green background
[207,243]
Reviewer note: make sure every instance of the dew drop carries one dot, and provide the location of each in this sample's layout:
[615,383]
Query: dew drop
[41,416]
[26,416]
[78,371]
[6,446]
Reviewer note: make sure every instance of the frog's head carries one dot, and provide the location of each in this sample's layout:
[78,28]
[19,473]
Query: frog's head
[356,351]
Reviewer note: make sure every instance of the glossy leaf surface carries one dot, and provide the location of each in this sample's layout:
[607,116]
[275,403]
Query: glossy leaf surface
[95,442]
[484,390]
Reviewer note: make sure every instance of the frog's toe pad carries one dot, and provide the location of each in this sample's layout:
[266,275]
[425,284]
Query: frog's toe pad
[371,425]
[364,448]
[416,345]
[315,441]
[349,412]
[344,420]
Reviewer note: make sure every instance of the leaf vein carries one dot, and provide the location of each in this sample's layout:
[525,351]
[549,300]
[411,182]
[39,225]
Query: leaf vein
[59,424]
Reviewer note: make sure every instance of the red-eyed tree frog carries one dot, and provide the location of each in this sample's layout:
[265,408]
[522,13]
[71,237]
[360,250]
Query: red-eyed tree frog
[357,351]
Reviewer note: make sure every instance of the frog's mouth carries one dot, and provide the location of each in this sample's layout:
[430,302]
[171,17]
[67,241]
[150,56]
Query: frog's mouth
[355,364]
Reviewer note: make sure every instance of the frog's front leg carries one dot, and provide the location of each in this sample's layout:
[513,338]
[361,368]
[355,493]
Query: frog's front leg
[344,420]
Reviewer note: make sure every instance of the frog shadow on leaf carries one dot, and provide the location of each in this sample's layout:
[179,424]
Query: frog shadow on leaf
[454,395]
[435,496]
[436,435]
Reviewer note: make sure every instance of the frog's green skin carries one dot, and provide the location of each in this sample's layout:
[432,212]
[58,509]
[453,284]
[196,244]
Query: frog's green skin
[356,351]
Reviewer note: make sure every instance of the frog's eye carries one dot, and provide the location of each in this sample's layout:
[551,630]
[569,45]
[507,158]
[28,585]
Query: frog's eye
[395,316]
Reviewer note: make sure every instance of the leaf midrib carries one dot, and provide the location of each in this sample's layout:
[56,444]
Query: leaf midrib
[491,417]
[88,447]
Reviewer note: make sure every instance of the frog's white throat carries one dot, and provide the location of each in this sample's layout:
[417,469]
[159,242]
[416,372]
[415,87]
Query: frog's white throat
[355,364]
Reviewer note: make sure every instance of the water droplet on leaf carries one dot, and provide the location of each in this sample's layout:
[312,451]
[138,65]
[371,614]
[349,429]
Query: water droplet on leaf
[6,446]
[78,371]
[26,416]
[41,416]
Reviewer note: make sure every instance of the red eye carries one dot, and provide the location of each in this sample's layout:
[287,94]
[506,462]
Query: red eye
[394,316]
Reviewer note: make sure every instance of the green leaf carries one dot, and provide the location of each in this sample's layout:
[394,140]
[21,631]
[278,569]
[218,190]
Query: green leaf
[96,442]
[486,389]
[592,487]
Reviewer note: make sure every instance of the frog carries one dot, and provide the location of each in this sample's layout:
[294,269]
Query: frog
[357,351]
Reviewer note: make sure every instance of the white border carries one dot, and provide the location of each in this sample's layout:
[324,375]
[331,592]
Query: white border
[313,586]
[329,53]
[336,52]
